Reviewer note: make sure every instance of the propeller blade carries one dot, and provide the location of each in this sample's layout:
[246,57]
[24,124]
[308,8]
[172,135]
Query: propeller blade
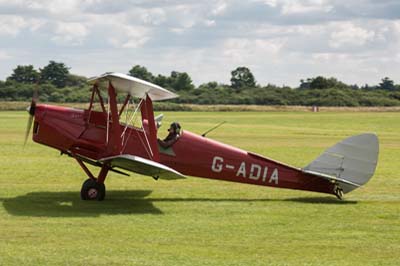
[28,128]
[31,111]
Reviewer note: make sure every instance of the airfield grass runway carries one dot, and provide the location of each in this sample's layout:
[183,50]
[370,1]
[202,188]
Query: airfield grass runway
[199,221]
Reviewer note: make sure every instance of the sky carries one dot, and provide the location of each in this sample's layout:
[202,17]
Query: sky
[281,41]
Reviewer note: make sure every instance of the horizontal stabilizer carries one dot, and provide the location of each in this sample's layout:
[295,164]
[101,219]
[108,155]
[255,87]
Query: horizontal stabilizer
[142,166]
[350,163]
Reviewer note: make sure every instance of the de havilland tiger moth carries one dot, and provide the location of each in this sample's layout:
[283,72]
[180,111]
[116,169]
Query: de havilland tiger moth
[100,138]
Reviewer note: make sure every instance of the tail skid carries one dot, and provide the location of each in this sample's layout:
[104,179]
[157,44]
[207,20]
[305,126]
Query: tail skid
[349,164]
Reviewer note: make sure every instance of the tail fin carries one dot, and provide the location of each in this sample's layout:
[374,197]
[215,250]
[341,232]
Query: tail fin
[349,164]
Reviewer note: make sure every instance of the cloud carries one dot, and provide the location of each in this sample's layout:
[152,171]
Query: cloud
[301,7]
[272,3]
[12,25]
[219,8]
[153,16]
[136,37]
[280,40]
[126,36]
[4,55]
[209,22]
[72,33]
[349,34]
[241,50]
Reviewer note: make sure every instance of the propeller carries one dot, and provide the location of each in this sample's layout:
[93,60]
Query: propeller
[31,110]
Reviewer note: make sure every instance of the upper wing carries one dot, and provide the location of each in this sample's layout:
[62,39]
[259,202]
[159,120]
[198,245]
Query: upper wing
[134,86]
[142,166]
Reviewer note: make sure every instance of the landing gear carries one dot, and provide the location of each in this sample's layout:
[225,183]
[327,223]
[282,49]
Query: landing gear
[338,191]
[92,190]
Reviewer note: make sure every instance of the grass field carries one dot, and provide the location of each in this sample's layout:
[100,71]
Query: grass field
[199,221]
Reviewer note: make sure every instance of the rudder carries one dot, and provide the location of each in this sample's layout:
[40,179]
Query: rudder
[350,163]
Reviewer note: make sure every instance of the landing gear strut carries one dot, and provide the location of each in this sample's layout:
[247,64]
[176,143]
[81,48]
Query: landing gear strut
[94,188]
[338,191]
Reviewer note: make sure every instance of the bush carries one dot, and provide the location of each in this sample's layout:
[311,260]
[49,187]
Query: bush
[213,93]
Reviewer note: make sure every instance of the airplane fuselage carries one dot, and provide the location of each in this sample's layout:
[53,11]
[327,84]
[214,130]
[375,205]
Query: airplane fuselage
[85,133]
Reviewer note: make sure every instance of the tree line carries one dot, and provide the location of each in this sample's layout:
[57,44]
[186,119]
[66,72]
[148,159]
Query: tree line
[57,84]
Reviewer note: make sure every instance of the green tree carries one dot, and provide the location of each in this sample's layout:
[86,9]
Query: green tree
[305,84]
[321,83]
[161,80]
[55,73]
[24,74]
[387,84]
[141,72]
[76,81]
[209,85]
[242,77]
[180,81]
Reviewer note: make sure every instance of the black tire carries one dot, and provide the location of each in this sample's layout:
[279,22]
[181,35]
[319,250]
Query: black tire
[91,190]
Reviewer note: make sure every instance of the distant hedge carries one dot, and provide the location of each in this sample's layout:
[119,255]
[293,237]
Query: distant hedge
[12,91]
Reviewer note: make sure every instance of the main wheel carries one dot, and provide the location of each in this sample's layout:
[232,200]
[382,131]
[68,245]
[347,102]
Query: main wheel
[91,190]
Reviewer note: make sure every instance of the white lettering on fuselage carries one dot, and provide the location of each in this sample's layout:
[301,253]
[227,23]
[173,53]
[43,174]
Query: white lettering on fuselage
[217,164]
[253,172]
[242,170]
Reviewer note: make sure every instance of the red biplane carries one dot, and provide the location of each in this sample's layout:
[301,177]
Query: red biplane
[100,138]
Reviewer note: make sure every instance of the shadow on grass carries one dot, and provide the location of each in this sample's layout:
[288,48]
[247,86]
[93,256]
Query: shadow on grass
[322,200]
[69,204]
[313,200]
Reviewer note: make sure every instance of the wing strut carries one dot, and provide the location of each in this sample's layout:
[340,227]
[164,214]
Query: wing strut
[151,133]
